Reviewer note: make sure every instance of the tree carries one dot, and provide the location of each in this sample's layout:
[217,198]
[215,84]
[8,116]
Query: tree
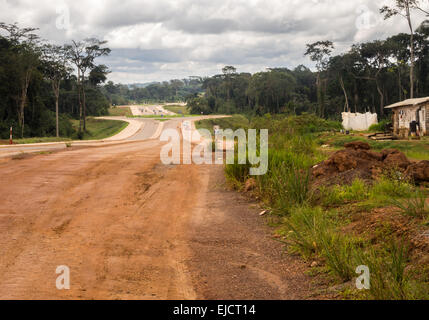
[320,52]
[94,49]
[374,58]
[403,8]
[56,68]
[27,53]
[229,72]
[83,54]
[338,65]
[98,75]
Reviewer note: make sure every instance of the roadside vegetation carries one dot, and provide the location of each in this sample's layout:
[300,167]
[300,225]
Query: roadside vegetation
[120,112]
[45,86]
[100,129]
[97,129]
[180,110]
[35,140]
[338,227]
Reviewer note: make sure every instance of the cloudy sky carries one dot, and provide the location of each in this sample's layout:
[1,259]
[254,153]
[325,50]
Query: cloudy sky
[156,40]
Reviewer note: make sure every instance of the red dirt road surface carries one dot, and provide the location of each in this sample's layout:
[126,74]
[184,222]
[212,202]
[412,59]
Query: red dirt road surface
[129,227]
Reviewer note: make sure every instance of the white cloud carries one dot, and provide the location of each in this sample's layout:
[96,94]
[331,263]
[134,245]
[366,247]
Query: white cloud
[161,40]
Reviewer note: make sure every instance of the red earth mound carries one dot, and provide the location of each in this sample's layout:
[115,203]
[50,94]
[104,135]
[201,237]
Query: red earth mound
[358,161]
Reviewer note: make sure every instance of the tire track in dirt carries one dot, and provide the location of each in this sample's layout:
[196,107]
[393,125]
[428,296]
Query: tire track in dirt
[131,228]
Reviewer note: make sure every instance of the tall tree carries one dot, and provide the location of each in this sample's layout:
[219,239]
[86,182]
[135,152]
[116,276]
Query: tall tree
[403,8]
[374,59]
[56,68]
[319,52]
[27,52]
[83,55]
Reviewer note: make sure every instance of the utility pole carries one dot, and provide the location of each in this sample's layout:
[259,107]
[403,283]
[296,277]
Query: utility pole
[11,136]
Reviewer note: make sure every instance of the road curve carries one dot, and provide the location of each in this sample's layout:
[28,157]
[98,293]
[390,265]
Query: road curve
[129,227]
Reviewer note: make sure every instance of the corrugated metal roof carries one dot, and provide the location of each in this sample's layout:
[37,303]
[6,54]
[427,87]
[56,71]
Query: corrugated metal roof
[409,102]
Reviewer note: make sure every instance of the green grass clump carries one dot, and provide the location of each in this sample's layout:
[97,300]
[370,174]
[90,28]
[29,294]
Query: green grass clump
[382,126]
[387,188]
[415,206]
[389,279]
[341,194]
[304,226]
[97,129]
[289,186]
[178,109]
[313,231]
[120,112]
[40,140]
[418,150]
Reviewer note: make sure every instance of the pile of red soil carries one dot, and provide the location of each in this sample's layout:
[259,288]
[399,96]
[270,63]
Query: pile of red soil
[357,160]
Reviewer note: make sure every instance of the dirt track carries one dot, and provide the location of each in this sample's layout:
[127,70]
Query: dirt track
[131,228]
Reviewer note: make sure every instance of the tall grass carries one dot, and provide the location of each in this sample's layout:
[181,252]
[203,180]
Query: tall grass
[415,206]
[388,277]
[312,230]
[338,194]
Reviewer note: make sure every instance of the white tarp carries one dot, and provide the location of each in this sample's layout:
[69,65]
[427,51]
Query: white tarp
[359,121]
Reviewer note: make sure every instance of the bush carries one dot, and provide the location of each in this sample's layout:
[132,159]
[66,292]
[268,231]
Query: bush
[382,126]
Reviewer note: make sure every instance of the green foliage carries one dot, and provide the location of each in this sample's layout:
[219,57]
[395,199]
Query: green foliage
[382,126]
[40,140]
[415,206]
[338,251]
[305,224]
[391,187]
[29,107]
[312,231]
[120,112]
[180,110]
[99,129]
[341,194]
[289,186]
[234,122]
[318,233]
[168,91]
[388,274]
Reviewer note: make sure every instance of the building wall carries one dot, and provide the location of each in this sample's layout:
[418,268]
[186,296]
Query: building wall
[403,116]
[427,119]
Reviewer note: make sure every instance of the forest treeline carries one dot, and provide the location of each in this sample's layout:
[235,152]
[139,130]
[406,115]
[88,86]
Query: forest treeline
[168,91]
[44,86]
[368,77]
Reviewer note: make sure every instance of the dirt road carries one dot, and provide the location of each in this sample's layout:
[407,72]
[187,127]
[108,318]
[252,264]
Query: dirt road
[129,227]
